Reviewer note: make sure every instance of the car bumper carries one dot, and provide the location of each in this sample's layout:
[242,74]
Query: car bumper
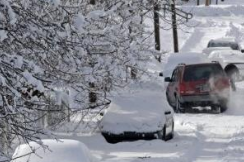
[203,99]
[129,136]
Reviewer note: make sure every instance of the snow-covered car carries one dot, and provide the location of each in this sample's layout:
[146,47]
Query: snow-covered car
[139,112]
[208,50]
[187,58]
[64,150]
[232,61]
[225,42]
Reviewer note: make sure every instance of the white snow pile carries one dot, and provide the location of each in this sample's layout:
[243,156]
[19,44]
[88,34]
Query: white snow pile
[185,58]
[140,108]
[57,151]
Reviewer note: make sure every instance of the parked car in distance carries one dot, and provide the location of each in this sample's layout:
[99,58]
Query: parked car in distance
[208,50]
[225,42]
[64,150]
[193,85]
[139,112]
[233,63]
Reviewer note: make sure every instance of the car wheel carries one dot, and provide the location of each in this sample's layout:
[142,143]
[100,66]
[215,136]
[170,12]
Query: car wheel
[171,135]
[168,99]
[216,109]
[162,134]
[223,106]
[178,106]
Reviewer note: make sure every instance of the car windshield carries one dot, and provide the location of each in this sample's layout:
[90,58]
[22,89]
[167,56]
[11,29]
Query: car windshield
[202,72]
[232,45]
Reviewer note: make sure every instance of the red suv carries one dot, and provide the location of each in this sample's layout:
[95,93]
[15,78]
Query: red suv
[194,85]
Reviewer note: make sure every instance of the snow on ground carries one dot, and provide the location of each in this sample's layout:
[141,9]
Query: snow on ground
[198,137]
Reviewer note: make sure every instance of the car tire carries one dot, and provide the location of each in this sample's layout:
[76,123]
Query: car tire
[167,97]
[171,135]
[178,106]
[216,109]
[223,106]
[162,134]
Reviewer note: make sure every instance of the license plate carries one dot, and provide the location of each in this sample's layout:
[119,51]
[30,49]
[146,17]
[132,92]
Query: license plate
[204,88]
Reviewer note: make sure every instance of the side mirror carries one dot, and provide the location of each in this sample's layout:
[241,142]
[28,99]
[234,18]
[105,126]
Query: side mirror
[167,112]
[167,79]
[161,74]
[242,50]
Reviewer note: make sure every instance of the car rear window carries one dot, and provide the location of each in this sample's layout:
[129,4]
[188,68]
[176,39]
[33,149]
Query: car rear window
[202,72]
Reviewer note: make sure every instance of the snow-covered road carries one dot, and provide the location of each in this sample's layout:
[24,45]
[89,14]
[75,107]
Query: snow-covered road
[198,137]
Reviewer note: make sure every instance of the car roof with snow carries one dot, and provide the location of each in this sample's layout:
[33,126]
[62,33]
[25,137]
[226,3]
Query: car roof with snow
[224,42]
[140,108]
[187,58]
[227,39]
[64,150]
[227,56]
[211,49]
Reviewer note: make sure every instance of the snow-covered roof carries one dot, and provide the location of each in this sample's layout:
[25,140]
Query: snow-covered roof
[211,49]
[139,109]
[188,58]
[226,39]
[227,56]
[64,150]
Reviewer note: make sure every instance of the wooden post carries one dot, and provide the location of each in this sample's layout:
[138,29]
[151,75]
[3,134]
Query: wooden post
[216,2]
[174,27]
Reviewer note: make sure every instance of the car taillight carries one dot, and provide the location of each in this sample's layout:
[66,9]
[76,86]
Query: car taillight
[182,88]
[226,82]
[222,83]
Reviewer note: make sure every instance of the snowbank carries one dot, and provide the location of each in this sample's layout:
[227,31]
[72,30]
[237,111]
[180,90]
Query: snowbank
[57,151]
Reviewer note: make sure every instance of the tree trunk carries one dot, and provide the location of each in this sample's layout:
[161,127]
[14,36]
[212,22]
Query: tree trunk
[92,2]
[207,2]
[157,29]
[198,2]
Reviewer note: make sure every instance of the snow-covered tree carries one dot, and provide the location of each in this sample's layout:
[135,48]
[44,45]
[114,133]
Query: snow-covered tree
[74,46]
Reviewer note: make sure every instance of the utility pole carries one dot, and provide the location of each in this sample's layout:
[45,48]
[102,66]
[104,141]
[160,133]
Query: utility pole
[174,27]
[207,2]
[157,28]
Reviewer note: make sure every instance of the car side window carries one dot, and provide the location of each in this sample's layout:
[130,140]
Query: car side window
[174,77]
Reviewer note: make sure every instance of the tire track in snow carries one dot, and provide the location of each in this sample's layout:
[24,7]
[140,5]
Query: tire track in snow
[203,33]
[193,41]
